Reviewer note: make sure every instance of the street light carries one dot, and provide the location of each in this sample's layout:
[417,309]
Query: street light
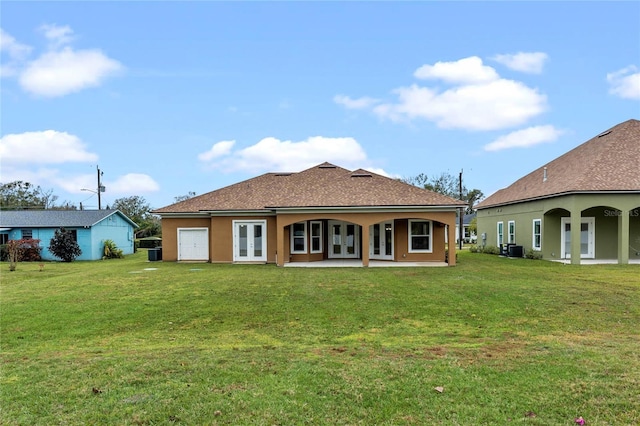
[101,188]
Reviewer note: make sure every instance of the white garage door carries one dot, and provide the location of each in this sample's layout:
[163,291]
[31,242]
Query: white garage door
[193,244]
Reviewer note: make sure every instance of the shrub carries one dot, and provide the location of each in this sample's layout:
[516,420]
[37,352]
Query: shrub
[64,246]
[4,253]
[532,254]
[491,250]
[24,249]
[111,251]
[485,249]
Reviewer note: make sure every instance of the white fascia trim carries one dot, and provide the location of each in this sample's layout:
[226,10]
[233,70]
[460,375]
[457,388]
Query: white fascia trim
[182,215]
[366,209]
[240,213]
[560,194]
[205,213]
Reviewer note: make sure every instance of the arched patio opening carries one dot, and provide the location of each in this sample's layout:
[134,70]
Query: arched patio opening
[387,237]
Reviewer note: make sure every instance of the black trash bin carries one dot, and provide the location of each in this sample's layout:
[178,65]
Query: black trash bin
[516,251]
[154,254]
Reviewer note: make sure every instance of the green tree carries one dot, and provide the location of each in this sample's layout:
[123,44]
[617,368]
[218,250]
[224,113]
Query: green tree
[448,185]
[472,197]
[135,208]
[473,226]
[138,210]
[180,198]
[149,227]
[19,195]
[63,245]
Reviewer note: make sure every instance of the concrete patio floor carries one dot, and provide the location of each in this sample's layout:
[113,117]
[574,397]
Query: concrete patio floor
[357,263]
[597,261]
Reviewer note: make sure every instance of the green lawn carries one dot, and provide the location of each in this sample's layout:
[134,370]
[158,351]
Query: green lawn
[509,341]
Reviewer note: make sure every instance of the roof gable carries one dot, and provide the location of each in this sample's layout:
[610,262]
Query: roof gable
[57,218]
[609,161]
[325,185]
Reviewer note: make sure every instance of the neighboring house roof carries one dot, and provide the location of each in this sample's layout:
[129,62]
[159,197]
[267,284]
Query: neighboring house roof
[321,186]
[467,218]
[609,162]
[56,218]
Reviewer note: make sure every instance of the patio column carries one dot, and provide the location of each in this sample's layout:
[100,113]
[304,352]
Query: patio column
[365,244]
[623,237]
[576,226]
[280,255]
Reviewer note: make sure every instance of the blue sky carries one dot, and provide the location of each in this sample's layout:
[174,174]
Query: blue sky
[173,97]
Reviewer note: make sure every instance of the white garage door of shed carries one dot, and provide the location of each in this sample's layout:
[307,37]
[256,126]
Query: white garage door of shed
[193,244]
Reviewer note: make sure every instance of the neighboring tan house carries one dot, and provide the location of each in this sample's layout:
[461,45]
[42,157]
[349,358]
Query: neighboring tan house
[586,201]
[90,229]
[322,213]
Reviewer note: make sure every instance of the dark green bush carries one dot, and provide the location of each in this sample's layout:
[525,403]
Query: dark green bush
[491,250]
[533,254]
[485,249]
[64,246]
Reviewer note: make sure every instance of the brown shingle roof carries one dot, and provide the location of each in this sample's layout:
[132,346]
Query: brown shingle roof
[324,185]
[607,162]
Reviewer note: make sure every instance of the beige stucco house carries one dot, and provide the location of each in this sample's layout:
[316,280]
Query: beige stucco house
[585,202]
[319,214]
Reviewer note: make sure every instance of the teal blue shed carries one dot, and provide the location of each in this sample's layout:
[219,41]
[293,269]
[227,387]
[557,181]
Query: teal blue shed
[90,228]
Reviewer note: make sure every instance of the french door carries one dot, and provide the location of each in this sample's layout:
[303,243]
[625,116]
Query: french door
[249,241]
[381,241]
[344,240]
[587,238]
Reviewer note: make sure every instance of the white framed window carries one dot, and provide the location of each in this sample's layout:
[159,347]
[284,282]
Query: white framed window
[537,234]
[500,233]
[299,238]
[316,237]
[420,232]
[512,231]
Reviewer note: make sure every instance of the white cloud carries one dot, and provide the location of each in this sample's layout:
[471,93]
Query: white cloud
[272,154]
[10,45]
[525,138]
[625,83]
[477,98]
[15,51]
[45,147]
[132,183]
[360,103]
[468,70]
[66,71]
[61,69]
[29,156]
[57,35]
[529,62]
[218,149]
[493,105]
[129,184]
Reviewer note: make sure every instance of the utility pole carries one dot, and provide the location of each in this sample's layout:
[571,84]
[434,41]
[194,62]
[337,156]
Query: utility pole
[100,187]
[460,219]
